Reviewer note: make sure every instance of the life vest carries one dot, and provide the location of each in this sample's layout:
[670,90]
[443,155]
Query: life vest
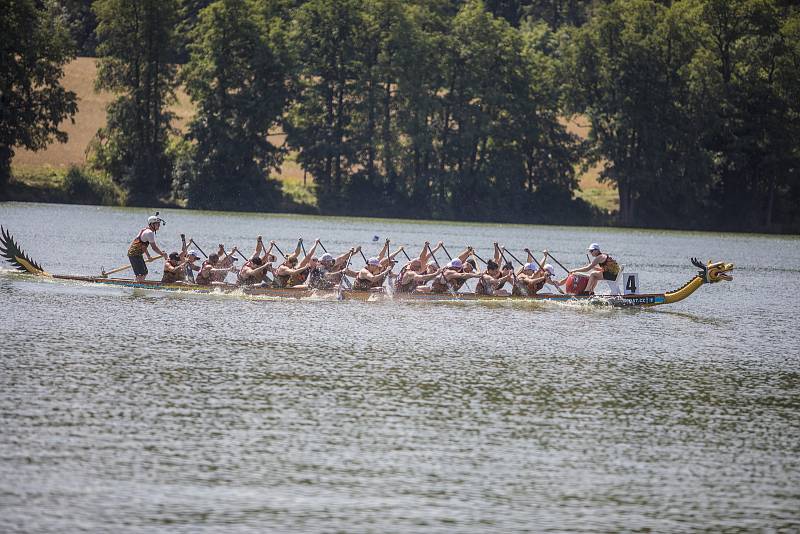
[317,280]
[483,288]
[360,283]
[250,279]
[610,265]
[442,285]
[176,275]
[203,279]
[401,287]
[297,279]
[525,288]
[281,281]
[138,247]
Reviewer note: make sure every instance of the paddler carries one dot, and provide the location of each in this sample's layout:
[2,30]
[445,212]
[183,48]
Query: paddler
[531,279]
[372,275]
[265,254]
[385,258]
[327,272]
[139,247]
[174,270]
[225,262]
[492,279]
[292,272]
[410,278]
[191,257]
[254,271]
[452,278]
[211,272]
[601,267]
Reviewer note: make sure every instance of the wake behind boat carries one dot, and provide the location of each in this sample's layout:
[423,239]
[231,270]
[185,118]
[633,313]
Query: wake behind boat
[709,273]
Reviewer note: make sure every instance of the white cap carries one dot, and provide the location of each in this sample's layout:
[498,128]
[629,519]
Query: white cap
[593,246]
[549,268]
[374,262]
[153,219]
[455,264]
[531,266]
[326,257]
[193,253]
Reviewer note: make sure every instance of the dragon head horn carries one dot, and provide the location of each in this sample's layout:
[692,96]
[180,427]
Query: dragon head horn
[703,273]
[697,263]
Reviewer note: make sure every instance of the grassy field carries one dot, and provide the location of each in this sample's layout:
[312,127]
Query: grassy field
[79,76]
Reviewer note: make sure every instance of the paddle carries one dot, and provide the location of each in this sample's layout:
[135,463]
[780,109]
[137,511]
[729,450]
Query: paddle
[339,294]
[505,261]
[541,266]
[276,248]
[446,283]
[547,254]
[449,257]
[192,241]
[514,257]
[476,255]
[434,257]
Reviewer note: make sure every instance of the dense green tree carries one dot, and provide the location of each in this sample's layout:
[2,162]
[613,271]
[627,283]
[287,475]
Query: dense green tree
[82,24]
[136,53]
[325,43]
[749,72]
[36,45]
[558,13]
[498,142]
[238,80]
[624,69]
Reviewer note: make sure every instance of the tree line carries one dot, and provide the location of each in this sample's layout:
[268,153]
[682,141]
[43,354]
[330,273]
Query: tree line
[451,109]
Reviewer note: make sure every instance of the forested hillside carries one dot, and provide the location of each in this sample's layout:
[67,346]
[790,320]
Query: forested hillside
[437,108]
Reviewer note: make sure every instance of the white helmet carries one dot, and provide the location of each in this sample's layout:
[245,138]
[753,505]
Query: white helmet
[152,220]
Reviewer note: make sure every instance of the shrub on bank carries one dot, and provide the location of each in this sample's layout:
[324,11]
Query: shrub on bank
[82,186]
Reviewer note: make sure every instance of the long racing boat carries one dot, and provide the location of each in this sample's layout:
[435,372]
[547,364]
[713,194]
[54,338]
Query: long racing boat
[709,273]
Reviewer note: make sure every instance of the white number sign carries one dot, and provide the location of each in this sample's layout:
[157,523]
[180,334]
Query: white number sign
[631,281]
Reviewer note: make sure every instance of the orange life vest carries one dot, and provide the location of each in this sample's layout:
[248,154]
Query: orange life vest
[138,247]
[610,265]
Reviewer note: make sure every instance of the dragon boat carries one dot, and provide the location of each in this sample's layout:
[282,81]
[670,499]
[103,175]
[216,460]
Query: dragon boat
[709,273]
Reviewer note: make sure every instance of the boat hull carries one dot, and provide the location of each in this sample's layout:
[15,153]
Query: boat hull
[351,294]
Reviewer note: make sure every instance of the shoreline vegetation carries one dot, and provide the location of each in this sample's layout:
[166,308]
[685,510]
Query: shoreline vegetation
[41,176]
[630,113]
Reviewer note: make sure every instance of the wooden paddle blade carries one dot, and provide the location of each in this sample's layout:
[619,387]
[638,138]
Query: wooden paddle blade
[14,255]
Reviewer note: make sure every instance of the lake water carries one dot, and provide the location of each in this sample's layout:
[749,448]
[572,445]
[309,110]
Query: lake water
[125,410]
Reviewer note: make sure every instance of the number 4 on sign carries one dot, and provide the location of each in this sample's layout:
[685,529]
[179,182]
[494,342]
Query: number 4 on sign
[631,283]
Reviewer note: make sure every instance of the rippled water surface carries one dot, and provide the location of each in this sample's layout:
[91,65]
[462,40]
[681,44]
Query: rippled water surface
[131,410]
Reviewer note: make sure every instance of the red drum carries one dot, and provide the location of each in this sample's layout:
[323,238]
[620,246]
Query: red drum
[575,284]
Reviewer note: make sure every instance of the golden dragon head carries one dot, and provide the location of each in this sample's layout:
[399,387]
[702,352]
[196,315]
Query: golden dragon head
[712,273]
